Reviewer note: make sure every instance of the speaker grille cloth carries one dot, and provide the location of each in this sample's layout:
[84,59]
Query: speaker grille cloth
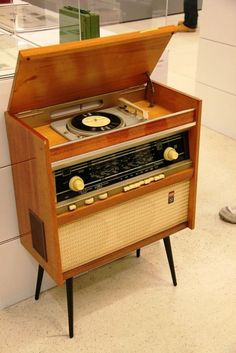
[116,227]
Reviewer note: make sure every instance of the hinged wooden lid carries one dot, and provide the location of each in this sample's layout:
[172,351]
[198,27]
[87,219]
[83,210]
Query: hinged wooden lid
[62,73]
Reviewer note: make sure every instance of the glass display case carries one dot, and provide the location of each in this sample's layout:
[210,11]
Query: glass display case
[121,16]
[21,16]
[24,24]
[120,11]
[9,48]
[25,17]
[113,11]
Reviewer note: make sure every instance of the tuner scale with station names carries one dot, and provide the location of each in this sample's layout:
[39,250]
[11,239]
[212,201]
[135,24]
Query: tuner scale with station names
[110,159]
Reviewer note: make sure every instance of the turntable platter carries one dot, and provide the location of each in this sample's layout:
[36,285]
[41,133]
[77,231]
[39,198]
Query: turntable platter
[94,123]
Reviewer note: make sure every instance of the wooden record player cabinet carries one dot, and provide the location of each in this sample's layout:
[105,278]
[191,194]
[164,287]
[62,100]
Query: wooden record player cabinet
[54,78]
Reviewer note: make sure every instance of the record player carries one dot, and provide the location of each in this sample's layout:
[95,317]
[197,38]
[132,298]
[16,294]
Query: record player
[104,160]
[93,123]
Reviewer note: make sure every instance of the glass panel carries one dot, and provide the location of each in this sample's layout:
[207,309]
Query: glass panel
[120,11]
[9,48]
[20,16]
[27,24]
[121,16]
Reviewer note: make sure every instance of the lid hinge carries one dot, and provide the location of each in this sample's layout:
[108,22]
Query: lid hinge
[150,87]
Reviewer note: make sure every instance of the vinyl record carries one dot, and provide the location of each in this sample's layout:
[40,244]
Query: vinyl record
[94,123]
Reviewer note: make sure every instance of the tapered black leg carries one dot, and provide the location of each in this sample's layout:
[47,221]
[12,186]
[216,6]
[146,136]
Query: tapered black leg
[170,259]
[69,292]
[138,252]
[39,282]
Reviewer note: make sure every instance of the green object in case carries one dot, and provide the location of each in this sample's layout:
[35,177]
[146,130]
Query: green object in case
[94,25]
[85,24]
[77,24]
[69,22]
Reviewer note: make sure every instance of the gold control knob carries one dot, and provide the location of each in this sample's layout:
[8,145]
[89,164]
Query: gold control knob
[170,154]
[76,183]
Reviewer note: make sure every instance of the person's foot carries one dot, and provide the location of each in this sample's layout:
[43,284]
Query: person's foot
[182,28]
[228,214]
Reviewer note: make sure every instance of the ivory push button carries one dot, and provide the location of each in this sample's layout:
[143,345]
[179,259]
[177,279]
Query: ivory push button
[103,196]
[148,180]
[89,201]
[159,177]
[72,207]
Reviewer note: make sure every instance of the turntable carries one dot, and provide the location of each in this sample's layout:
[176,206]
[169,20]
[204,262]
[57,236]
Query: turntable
[101,121]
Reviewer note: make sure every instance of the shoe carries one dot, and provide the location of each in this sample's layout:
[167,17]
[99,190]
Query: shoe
[182,28]
[228,214]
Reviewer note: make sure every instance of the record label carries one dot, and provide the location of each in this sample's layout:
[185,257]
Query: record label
[96,121]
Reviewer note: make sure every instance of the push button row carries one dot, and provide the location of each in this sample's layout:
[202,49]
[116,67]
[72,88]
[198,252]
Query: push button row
[143,182]
[100,197]
[89,201]
[126,188]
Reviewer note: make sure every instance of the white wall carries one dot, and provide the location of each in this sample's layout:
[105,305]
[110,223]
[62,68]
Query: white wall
[216,73]
[18,270]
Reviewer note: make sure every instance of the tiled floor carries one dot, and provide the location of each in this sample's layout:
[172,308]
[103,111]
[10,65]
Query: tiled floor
[131,306]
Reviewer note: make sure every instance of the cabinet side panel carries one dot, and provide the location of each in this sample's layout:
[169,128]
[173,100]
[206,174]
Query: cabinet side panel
[194,143]
[173,99]
[34,191]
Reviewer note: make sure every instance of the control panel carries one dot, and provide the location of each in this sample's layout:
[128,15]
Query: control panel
[124,170]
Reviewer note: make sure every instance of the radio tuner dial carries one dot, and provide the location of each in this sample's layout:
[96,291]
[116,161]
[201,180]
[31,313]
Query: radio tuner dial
[170,154]
[76,183]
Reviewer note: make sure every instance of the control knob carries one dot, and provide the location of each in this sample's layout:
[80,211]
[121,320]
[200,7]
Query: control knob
[76,183]
[170,154]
